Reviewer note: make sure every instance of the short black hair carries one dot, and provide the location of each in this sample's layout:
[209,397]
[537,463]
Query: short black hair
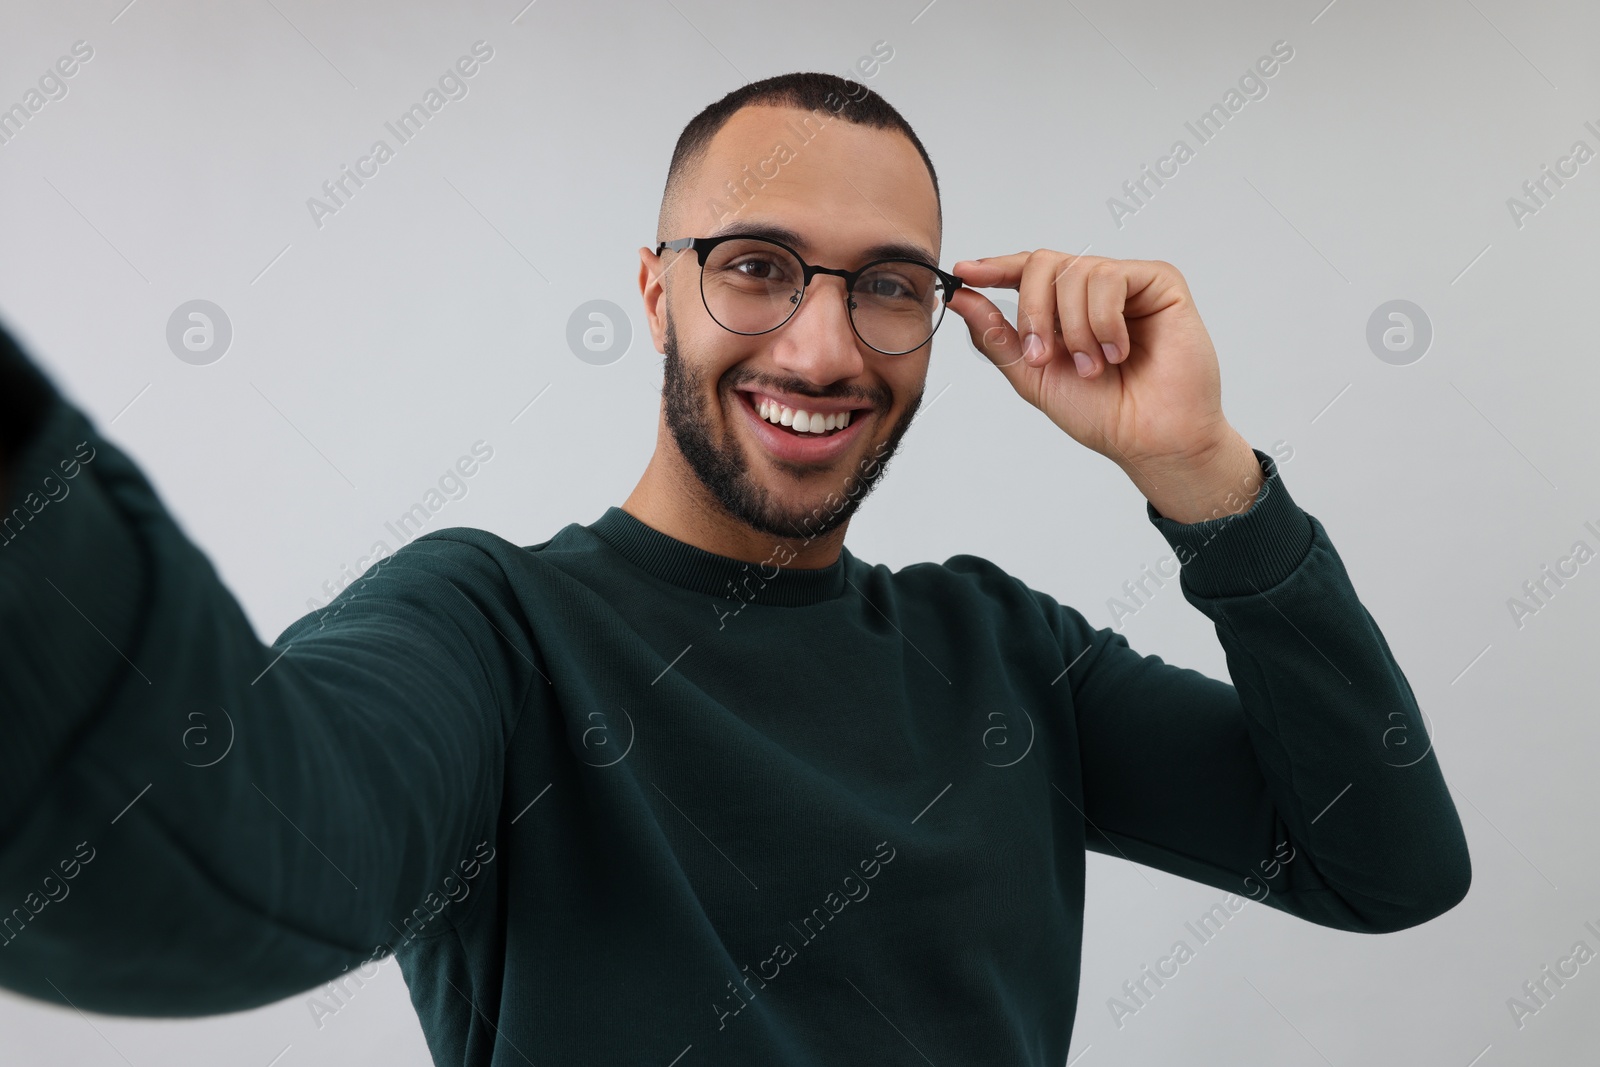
[807,90]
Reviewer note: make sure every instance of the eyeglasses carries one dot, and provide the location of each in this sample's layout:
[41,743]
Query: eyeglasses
[752,285]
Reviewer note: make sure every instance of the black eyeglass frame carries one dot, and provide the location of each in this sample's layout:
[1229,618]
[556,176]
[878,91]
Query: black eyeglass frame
[702,247]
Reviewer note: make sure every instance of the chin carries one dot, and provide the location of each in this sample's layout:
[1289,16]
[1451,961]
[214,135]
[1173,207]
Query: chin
[763,480]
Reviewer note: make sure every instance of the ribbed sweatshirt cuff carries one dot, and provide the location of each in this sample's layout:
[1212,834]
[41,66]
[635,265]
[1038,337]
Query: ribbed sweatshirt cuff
[71,575]
[1245,553]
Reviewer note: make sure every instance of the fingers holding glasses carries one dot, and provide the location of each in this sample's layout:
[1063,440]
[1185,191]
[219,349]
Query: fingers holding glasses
[1068,306]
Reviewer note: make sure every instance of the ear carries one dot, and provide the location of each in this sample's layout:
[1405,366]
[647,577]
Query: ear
[654,290]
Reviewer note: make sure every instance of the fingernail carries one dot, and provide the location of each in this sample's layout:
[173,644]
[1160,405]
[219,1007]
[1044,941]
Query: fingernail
[1085,364]
[1110,350]
[1033,348]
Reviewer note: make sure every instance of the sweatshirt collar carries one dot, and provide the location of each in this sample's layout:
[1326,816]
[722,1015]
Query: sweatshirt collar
[695,569]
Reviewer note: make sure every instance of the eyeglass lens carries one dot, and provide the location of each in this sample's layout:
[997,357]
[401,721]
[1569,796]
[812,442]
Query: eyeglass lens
[751,286]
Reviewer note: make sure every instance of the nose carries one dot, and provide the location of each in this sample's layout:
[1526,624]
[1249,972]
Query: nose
[817,343]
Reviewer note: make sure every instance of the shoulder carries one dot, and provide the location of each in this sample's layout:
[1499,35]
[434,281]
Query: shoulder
[461,553]
[984,581]
[482,550]
[969,581]
[426,578]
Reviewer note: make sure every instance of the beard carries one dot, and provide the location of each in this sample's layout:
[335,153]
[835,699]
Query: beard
[723,468]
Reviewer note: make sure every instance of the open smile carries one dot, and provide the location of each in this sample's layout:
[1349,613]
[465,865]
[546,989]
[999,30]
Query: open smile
[802,435]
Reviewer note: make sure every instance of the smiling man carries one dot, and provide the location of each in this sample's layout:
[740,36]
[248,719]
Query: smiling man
[734,468]
[692,783]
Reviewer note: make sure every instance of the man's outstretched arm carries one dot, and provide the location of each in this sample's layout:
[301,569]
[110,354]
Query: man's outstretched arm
[192,821]
[1309,783]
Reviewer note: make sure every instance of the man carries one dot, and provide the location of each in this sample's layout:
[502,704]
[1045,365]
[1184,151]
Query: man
[692,783]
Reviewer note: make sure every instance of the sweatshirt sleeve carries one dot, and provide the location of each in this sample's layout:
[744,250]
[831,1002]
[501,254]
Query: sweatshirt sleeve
[1309,783]
[192,821]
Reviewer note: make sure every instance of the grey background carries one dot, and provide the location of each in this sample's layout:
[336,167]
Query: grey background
[368,354]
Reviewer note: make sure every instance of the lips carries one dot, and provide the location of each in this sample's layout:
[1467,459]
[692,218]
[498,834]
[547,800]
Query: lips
[801,447]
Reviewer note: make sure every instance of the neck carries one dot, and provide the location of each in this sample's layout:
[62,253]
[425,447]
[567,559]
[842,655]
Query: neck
[671,499]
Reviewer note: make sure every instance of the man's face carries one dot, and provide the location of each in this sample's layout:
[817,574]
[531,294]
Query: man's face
[844,190]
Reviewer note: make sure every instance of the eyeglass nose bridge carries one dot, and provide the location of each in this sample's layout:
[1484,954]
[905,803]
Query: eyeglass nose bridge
[808,272]
[849,276]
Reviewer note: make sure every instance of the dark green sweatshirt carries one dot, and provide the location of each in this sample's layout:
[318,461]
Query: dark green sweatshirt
[611,798]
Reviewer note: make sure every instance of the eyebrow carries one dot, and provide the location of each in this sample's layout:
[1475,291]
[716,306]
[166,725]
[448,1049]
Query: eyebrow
[883,250]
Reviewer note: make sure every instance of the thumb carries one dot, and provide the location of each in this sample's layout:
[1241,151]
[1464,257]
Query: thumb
[993,336]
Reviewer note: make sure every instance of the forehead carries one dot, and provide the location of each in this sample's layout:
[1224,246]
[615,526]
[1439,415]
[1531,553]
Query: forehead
[841,188]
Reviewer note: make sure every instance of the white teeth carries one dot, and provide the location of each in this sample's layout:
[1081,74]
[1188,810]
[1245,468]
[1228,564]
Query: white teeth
[801,420]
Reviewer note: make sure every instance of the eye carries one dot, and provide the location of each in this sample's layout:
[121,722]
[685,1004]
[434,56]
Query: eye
[897,283]
[766,268]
